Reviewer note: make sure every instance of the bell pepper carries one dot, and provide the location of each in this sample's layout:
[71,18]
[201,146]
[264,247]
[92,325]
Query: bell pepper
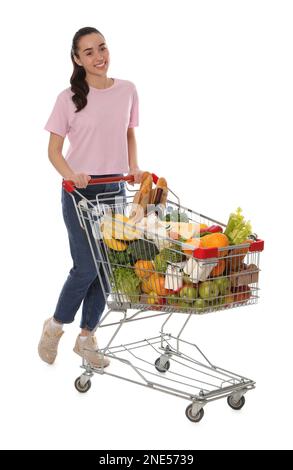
[215,229]
[211,229]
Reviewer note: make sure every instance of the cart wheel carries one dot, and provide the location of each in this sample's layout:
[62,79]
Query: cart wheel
[79,387]
[160,368]
[191,417]
[236,405]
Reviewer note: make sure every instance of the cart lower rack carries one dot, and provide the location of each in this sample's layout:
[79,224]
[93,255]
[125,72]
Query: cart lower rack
[168,277]
[160,363]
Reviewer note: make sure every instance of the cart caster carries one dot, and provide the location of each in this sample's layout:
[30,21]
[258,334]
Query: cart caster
[191,417]
[236,405]
[162,368]
[80,388]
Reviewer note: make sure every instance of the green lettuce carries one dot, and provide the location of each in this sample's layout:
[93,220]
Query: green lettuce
[127,283]
[238,229]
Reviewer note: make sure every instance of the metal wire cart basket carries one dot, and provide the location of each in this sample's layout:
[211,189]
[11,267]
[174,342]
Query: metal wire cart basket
[158,267]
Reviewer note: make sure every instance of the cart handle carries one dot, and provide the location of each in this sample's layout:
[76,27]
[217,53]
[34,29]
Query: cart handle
[69,185]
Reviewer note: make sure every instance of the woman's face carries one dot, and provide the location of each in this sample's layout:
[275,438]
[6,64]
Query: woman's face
[93,54]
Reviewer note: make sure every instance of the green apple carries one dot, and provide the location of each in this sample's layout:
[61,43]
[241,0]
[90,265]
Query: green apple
[184,305]
[223,284]
[172,299]
[218,303]
[188,293]
[199,304]
[221,300]
[208,290]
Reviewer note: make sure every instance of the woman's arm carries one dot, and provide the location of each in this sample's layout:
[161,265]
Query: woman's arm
[58,161]
[132,156]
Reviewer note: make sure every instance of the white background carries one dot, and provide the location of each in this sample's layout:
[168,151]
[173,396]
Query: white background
[215,85]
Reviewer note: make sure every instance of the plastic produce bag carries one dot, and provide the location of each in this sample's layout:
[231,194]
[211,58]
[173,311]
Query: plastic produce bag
[174,276]
[198,270]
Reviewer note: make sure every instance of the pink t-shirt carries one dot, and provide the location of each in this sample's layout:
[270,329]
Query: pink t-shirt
[98,133]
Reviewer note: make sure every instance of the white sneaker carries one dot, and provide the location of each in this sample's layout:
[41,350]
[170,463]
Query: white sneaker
[87,348]
[48,344]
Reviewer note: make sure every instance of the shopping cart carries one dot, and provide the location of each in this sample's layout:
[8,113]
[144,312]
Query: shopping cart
[150,270]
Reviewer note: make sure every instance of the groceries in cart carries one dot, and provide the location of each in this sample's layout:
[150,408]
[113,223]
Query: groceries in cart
[164,256]
[167,259]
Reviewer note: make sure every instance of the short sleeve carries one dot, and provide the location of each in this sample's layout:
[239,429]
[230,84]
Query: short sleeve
[134,112]
[58,120]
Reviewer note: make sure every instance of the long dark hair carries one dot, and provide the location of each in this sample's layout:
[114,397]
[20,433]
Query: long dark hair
[79,85]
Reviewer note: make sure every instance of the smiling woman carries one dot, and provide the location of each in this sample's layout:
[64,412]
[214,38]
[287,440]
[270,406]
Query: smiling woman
[90,57]
[98,115]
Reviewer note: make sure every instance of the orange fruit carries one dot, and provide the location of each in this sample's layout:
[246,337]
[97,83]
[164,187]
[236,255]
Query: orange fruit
[215,240]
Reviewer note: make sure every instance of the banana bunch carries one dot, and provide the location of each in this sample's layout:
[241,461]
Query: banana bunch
[116,233]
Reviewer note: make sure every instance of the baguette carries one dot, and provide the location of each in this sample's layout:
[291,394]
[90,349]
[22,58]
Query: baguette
[142,198]
[160,193]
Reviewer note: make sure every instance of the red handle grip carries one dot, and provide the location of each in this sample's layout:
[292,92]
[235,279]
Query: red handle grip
[69,185]
[111,179]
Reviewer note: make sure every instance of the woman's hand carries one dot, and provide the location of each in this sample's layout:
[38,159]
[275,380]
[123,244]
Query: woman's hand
[80,180]
[137,173]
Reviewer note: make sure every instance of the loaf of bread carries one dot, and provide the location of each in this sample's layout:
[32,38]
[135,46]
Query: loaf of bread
[142,198]
[146,195]
[160,193]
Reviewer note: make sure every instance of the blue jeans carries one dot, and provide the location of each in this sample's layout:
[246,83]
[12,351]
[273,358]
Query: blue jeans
[82,283]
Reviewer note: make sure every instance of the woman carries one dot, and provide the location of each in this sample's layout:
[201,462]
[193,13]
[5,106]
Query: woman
[98,114]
